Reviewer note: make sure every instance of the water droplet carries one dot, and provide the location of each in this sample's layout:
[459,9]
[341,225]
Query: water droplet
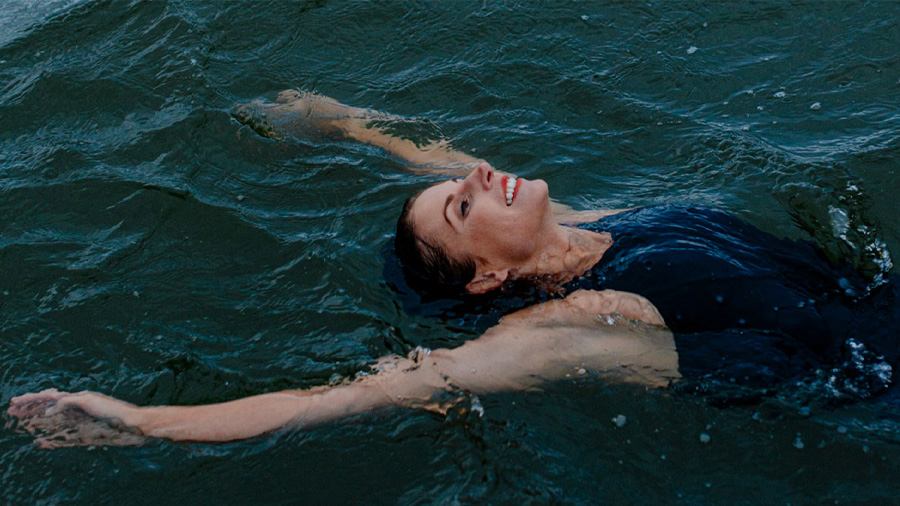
[804,411]
[584,17]
[582,371]
[841,429]
[692,50]
[704,438]
[477,407]
[798,443]
[816,106]
[240,198]
[780,94]
[720,299]
[619,420]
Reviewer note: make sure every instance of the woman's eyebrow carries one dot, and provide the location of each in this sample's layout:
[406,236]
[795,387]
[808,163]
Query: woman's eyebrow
[446,205]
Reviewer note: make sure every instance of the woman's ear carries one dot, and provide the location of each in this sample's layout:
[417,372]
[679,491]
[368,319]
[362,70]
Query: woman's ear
[484,282]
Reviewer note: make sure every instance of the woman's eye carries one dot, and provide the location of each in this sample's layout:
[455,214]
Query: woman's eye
[464,207]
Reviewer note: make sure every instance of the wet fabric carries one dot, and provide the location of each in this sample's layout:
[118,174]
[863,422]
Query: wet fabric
[741,302]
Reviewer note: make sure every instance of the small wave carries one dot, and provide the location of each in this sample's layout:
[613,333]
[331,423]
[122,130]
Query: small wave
[21,16]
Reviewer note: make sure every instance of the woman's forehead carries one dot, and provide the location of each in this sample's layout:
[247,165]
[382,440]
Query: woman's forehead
[428,208]
[433,198]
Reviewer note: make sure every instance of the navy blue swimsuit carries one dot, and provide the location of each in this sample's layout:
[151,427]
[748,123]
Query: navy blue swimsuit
[740,301]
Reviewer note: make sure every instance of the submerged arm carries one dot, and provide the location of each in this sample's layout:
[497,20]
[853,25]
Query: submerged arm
[551,341]
[304,114]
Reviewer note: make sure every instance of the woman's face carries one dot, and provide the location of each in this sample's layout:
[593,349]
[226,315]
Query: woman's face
[476,217]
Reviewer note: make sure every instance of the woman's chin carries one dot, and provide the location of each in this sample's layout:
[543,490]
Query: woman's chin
[533,192]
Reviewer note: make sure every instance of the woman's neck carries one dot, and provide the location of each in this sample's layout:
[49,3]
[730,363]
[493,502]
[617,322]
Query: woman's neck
[568,254]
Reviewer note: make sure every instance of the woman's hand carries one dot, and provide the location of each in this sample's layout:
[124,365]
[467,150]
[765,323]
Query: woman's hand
[59,419]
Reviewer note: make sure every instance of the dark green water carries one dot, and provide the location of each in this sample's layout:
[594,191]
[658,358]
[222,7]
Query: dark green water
[154,249]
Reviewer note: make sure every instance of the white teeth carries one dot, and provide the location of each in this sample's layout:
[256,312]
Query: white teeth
[510,189]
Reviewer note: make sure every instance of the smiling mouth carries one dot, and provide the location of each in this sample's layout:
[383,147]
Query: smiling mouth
[511,187]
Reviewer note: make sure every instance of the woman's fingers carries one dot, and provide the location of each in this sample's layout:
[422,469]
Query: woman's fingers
[30,405]
[58,419]
[33,409]
[49,394]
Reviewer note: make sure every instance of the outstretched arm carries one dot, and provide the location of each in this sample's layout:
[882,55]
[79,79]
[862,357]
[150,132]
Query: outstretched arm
[551,341]
[304,114]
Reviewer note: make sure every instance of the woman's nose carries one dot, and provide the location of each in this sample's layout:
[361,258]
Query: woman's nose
[483,175]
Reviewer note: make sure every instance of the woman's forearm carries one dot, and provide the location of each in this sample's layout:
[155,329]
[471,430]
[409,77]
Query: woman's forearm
[260,414]
[228,421]
[304,114]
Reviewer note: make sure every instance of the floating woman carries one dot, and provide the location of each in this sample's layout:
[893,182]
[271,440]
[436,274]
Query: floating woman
[651,296]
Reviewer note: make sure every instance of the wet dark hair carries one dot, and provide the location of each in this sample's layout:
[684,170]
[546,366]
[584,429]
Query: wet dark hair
[424,260]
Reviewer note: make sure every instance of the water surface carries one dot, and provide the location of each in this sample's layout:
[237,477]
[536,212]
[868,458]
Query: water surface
[154,249]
